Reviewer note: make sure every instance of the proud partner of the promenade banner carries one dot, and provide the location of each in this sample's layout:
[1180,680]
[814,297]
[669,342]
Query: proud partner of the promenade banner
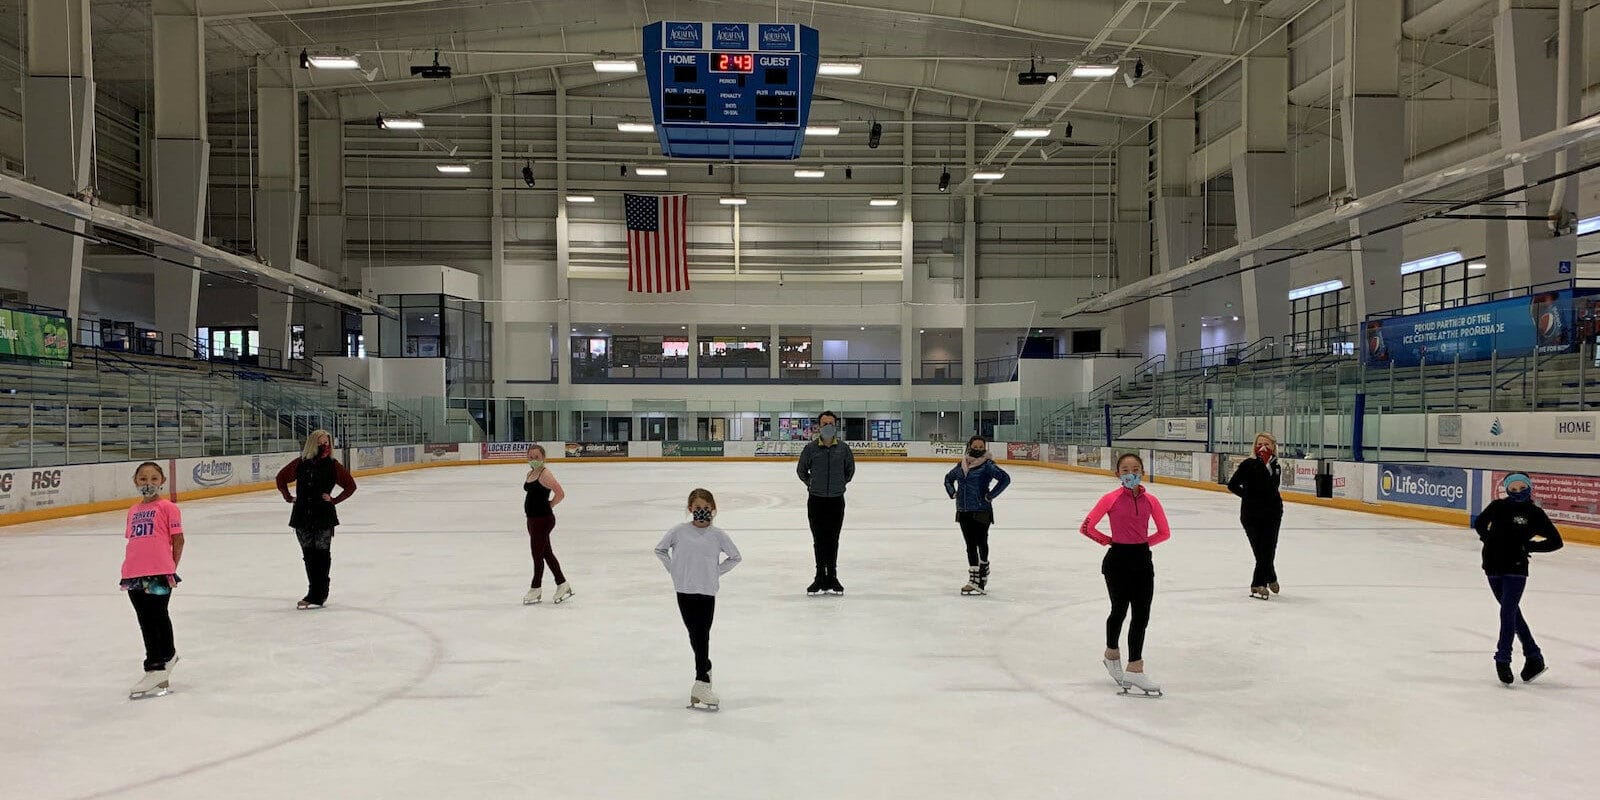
[1507,328]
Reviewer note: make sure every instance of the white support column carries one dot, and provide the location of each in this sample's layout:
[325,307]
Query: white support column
[180,158]
[910,345]
[694,350]
[774,366]
[563,291]
[58,136]
[325,226]
[1372,115]
[1179,224]
[1527,69]
[277,222]
[499,313]
[1263,196]
[969,287]
[1131,238]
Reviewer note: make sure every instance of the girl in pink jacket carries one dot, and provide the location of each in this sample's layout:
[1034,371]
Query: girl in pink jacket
[1129,572]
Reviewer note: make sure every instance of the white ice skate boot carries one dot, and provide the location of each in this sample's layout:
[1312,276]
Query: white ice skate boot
[702,695]
[563,592]
[534,596]
[1138,684]
[1114,666]
[153,684]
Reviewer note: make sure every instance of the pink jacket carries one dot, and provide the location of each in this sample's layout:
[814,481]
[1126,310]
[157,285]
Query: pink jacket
[1131,513]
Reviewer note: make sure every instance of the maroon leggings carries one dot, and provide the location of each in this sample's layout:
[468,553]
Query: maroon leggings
[539,529]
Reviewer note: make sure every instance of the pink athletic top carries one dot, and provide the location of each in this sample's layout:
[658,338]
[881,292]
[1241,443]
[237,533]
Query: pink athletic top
[151,527]
[1131,513]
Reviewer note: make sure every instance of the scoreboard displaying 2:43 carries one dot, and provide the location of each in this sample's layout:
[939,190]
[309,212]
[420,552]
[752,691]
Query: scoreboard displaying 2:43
[730,90]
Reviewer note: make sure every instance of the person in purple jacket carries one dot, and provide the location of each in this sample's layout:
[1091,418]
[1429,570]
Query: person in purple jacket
[974,483]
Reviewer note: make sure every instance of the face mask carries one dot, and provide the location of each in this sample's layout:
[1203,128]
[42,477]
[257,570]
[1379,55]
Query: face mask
[1130,480]
[702,514]
[1264,450]
[830,432]
[150,490]
[323,450]
[975,452]
[1521,495]
[534,463]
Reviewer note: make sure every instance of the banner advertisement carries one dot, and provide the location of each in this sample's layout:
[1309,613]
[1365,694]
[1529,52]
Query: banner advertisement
[405,454]
[1299,475]
[779,448]
[367,457]
[692,449]
[35,336]
[878,449]
[1227,464]
[597,449]
[1521,432]
[1090,457]
[505,451]
[1058,453]
[441,452]
[1022,451]
[210,472]
[955,449]
[1565,498]
[1173,464]
[1511,328]
[23,489]
[1441,487]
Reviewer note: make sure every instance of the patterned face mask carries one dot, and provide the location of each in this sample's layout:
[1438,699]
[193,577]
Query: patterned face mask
[1130,480]
[150,490]
[702,514]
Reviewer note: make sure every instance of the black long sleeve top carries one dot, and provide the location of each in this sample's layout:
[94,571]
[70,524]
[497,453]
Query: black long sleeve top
[1256,483]
[1510,531]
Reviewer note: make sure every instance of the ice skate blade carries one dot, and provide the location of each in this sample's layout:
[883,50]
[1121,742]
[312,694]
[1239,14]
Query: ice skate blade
[709,708]
[1134,691]
[1536,676]
[973,592]
[534,602]
[304,606]
[160,691]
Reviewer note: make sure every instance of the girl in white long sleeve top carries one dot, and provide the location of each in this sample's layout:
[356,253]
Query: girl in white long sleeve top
[693,553]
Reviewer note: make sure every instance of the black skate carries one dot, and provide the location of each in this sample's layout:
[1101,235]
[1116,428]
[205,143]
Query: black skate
[1503,669]
[1531,669]
[832,585]
[819,584]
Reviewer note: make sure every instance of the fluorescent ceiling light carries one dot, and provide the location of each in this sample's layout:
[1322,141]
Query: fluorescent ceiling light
[453,169]
[580,198]
[1477,266]
[1430,262]
[1093,71]
[1588,226]
[839,68]
[732,201]
[822,130]
[885,201]
[810,173]
[400,123]
[333,61]
[1316,289]
[636,127]
[615,65]
[1030,133]
[650,172]
[983,175]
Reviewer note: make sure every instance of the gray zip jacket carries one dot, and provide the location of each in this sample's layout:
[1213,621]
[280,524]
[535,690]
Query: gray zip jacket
[694,557]
[826,470]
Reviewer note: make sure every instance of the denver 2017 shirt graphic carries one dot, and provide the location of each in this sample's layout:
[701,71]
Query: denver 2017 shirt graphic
[149,532]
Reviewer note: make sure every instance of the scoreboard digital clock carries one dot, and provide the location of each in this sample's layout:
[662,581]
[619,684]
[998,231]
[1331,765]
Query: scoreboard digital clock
[733,62]
[730,90]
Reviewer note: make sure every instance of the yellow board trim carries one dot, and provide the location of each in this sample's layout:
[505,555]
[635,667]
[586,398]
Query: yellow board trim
[1569,531]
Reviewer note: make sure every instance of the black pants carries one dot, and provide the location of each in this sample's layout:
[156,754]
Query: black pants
[1131,583]
[697,611]
[316,547]
[1263,535]
[826,515]
[155,625]
[539,529]
[976,535]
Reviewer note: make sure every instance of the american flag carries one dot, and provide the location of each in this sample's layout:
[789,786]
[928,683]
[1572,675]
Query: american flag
[658,251]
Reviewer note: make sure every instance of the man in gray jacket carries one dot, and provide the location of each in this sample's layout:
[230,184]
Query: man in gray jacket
[826,467]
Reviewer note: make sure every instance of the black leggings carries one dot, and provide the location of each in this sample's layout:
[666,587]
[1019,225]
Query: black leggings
[826,515]
[976,535]
[155,625]
[1131,582]
[1263,535]
[697,611]
[316,548]
[539,529]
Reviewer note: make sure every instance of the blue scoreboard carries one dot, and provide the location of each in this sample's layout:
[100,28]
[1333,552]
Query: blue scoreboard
[730,90]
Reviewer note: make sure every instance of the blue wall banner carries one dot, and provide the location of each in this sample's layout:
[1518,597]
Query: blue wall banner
[1441,487]
[1510,328]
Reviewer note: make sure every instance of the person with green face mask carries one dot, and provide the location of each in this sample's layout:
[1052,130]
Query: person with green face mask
[542,493]
[826,466]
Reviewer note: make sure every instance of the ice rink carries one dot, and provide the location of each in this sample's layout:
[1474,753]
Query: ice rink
[1370,677]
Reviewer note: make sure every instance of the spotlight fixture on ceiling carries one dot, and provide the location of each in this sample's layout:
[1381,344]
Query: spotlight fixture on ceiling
[875,135]
[1035,78]
[336,60]
[1138,69]
[623,169]
[849,173]
[944,181]
[1068,130]
[711,170]
[434,71]
[400,122]
[527,174]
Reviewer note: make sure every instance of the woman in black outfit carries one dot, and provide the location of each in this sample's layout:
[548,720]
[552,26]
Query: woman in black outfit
[1511,527]
[1261,510]
[315,474]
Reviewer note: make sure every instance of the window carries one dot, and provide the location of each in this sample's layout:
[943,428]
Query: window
[1438,283]
[1317,312]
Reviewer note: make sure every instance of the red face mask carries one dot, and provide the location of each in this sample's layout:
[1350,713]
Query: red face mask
[1264,451]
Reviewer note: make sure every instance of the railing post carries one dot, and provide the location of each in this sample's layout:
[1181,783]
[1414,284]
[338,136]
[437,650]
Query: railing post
[1583,363]
[100,433]
[32,435]
[128,428]
[1494,367]
[1422,384]
[1535,358]
[1455,402]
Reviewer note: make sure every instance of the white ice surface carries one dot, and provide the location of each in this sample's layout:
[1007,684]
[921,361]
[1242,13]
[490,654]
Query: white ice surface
[1370,677]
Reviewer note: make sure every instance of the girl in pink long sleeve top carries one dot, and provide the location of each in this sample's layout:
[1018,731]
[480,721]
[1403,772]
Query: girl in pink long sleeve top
[1128,569]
